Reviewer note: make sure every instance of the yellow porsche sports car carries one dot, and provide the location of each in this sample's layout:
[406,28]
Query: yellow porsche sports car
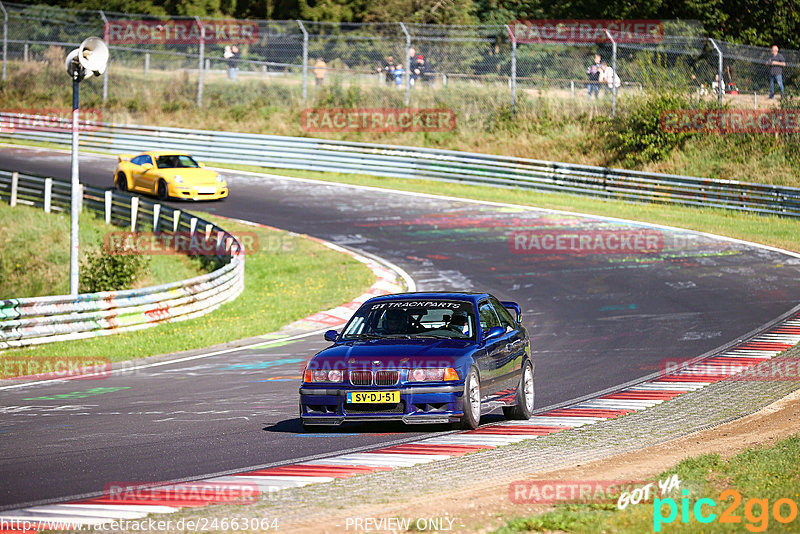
[168,174]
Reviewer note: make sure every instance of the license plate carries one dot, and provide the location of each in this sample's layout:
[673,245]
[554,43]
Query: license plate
[373,397]
[206,190]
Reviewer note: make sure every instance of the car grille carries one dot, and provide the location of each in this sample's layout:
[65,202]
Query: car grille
[400,407]
[361,378]
[387,378]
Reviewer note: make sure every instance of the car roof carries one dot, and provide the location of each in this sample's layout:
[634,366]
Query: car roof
[157,153]
[432,295]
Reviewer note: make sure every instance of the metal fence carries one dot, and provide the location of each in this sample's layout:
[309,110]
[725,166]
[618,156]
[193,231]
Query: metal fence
[37,320]
[433,164]
[297,60]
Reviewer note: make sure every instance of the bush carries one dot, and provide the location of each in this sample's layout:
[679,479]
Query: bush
[636,137]
[101,271]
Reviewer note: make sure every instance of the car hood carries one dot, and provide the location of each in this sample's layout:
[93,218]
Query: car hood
[394,353]
[192,176]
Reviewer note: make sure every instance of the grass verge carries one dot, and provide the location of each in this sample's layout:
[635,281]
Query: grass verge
[287,278]
[761,477]
[35,253]
[774,231]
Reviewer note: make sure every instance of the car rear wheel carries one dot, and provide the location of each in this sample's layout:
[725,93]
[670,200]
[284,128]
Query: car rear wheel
[122,182]
[162,191]
[524,397]
[471,401]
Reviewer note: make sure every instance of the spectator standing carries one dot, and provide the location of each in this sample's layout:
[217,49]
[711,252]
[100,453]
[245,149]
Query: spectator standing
[388,70]
[776,63]
[231,56]
[418,69]
[594,76]
[398,73]
[609,77]
[320,70]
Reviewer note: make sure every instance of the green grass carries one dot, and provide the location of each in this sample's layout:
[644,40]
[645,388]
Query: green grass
[770,473]
[775,231]
[35,253]
[288,278]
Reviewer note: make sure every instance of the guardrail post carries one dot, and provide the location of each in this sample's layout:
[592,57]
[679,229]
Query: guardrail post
[176,219]
[209,227]
[156,216]
[134,212]
[146,63]
[109,194]
[14,187]
[305,60]
[200,62]
[408,63]
[48,194]
[192,225]
[5,38]
[721,84]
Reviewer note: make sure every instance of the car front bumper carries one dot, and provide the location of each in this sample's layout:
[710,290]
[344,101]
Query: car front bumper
[195,192]
[418,404]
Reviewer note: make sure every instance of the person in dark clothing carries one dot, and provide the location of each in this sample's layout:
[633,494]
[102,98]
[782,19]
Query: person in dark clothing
[594,76]
[776,63]
[418,70]
[233,62]
[388,70]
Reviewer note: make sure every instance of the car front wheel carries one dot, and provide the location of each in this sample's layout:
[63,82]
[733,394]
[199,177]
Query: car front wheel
[162,190]
[471,401]
[524,397]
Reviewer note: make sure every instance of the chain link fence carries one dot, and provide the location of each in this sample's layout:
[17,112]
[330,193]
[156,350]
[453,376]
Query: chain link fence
[297,64]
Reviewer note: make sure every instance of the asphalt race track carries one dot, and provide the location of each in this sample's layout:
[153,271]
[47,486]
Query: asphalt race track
[597,320]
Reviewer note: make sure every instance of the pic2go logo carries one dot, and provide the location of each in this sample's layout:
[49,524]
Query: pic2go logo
[756,511]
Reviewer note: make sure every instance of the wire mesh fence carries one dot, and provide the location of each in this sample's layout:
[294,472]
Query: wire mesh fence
[366,65]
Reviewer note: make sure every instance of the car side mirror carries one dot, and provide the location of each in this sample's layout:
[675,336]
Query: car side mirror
[201,164]
[494,332]
[331,335]
[513,306]
[147,166]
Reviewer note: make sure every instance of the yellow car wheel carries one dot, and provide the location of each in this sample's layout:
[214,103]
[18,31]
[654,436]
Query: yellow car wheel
[162,191]
[122,182]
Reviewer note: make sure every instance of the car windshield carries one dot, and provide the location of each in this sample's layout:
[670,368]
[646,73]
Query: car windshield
[406,319]
[176,161]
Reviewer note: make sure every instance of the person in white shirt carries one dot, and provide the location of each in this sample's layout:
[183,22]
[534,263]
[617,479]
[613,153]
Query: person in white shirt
[609,77]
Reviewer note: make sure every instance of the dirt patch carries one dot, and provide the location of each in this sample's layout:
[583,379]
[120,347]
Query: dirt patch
[485,507]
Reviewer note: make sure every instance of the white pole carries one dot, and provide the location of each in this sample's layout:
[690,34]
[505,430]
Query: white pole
[156,216]
[134,212]
[176,218]
[109,194]
[48,194]
[75,193]
[14,187]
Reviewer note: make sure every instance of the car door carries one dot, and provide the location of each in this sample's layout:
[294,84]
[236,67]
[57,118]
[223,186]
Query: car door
[516,341]
[496,352]
[141,175]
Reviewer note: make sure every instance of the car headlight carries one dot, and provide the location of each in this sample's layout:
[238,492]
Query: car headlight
[220,178]
[321,375]
[179,178]
[436,374]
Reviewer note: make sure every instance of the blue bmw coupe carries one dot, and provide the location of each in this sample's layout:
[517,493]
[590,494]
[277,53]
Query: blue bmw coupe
[422,358]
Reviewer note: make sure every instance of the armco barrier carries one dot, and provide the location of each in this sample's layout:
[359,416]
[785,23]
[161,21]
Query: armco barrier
[431,164]
[30,321]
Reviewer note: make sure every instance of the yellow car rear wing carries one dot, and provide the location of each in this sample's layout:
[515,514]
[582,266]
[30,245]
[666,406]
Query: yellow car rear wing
[125,157]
